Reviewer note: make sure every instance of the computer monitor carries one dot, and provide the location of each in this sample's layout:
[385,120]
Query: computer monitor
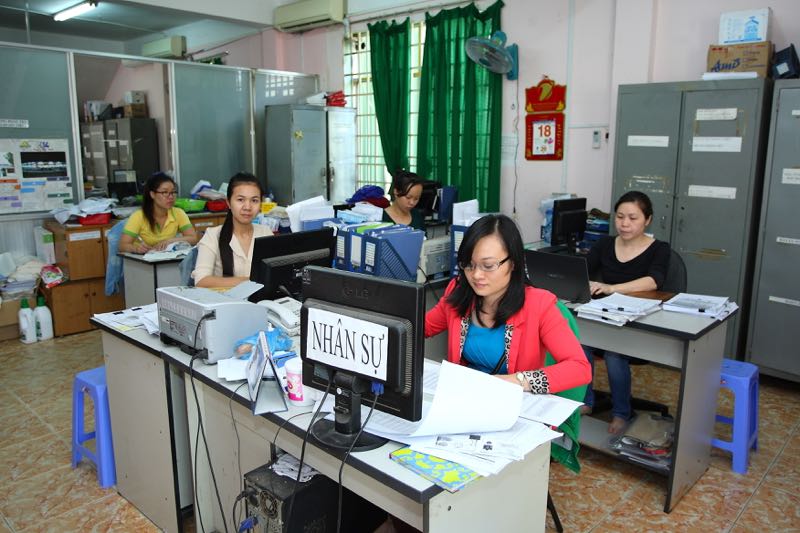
[428,200]
[359,333]
[278,261]
[569,222]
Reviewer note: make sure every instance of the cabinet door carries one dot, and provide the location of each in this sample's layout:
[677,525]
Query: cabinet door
[69,303]
[309,158]
[84,253]
[99,302]
[776,295]
[646,156]
[341,153]
[715,184]
[202,223]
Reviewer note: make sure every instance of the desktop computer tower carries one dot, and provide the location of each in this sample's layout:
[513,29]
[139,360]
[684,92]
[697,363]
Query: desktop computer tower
[315,505]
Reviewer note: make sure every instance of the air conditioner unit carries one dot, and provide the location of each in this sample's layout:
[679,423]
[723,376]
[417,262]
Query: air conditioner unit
[170,47]
[307,14]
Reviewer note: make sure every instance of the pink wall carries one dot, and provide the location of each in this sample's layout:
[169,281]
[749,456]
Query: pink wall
[150,78]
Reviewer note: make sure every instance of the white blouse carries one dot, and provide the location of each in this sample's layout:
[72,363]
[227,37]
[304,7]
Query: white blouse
[209,262]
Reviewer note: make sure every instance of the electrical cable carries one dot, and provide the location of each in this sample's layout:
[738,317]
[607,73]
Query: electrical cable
[515,123]
[238,443]
[303,448]
[200,427]
[346,455]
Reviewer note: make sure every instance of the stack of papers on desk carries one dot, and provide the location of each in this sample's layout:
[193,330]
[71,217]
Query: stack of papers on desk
[145,316]
[617,309]
[717,307]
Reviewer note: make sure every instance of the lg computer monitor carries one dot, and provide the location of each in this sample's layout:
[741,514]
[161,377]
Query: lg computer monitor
[569,222]
[359,334]
[278,261]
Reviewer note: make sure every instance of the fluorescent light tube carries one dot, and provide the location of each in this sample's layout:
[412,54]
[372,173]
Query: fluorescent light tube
[74,11]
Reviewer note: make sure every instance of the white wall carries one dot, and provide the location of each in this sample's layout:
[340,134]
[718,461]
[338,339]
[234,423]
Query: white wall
[593,46]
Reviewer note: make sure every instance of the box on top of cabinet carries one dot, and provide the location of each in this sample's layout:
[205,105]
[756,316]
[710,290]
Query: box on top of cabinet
[744,26]
[749,57]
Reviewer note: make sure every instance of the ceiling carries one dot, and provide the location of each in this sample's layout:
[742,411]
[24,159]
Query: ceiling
[112,20]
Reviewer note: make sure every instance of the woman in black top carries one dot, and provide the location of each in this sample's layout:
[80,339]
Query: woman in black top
[630,262]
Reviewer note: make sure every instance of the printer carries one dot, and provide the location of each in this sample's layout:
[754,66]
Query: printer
[225,320]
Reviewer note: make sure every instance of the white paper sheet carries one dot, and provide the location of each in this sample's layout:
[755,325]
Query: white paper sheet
[547,408]
[294,211]
[243,290]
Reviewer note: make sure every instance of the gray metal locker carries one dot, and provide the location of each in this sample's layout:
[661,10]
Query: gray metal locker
[296,152]
[697,149]
[772,339]
[93,153]
[132,145]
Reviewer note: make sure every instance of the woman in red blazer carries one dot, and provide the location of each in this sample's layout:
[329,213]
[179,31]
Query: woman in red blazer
[498,323]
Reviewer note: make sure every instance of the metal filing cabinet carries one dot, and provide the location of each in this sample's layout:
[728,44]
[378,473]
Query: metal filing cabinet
[93,154]
[132,145]
[771,340]
[697,149]
[296,152]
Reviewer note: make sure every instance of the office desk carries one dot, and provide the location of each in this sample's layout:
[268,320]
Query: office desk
[692,344]
[143,277]
[149,427]
[155,419]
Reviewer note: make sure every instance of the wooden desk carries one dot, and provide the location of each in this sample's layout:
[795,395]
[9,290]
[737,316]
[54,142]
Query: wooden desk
[692,344]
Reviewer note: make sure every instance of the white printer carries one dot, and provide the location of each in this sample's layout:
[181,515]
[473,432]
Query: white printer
[224,320]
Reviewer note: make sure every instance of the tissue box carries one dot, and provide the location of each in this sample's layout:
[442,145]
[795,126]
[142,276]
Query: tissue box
[744,26]
[45,250]
[750,57]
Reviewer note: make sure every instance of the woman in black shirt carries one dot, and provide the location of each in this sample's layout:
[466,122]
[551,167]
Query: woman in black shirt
[630,262]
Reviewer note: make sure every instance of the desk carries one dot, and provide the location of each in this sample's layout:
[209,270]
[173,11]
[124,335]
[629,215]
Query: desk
[692,344]
[515,496]
[143,277]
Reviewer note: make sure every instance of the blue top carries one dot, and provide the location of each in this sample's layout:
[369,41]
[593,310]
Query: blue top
[483,348]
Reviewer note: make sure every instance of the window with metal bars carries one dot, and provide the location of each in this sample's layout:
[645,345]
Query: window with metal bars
[370,168]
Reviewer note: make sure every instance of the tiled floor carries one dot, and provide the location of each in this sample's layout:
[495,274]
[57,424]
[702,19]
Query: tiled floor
[40,492]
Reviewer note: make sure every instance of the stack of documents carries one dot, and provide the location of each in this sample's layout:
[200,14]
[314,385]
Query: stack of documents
[617,309]
[701,304]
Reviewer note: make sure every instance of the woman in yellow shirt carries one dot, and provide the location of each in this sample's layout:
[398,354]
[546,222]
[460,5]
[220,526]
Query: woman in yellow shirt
[158,222]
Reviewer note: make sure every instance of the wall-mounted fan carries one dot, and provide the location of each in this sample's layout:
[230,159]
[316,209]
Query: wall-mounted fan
[493,54]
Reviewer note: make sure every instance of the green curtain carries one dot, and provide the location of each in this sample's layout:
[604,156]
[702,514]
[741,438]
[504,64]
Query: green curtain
[389,56]
[460,107]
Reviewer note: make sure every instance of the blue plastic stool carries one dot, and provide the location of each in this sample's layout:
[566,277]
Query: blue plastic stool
[742,379]
[93,383]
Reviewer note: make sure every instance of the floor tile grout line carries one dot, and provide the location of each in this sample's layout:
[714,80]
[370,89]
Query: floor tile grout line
[764,475]
[622,500]
[49,426]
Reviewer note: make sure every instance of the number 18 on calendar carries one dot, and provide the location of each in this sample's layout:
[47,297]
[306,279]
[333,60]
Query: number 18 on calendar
[544,136]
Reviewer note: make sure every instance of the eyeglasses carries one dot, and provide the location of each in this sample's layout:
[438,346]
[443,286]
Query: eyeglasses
[167,194]
[483,267]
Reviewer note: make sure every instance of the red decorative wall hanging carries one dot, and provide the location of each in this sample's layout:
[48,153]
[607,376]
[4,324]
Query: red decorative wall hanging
[545,97]
[544,136]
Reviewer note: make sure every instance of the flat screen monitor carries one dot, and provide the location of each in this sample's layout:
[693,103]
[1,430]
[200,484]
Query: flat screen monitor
[428,200]
[360,334]
[569,222]
[278,261]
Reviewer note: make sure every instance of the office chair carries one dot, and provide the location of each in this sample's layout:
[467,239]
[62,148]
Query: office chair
[571,426]
[675,281]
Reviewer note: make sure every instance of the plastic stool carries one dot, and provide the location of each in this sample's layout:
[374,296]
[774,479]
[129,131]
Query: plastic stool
[742,379]
[93,383]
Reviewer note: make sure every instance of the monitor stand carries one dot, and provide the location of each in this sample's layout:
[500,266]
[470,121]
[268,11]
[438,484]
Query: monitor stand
[341,432]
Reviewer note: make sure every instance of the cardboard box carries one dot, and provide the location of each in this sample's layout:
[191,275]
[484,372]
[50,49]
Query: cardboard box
[750,57]
[136,111]
[8,333]
[9,310]
[744,26]
[135,97]
[45,250]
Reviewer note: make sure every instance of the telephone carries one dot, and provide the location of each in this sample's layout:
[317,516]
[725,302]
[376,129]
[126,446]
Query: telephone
[285,313]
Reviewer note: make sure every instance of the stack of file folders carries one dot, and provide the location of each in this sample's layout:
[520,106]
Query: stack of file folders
[617,309]
[647,440]
[701,304]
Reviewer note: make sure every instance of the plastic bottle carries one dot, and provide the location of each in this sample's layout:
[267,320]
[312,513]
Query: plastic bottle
[27,323]
[44,320]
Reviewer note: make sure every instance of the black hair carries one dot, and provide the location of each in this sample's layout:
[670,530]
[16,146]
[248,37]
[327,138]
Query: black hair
[638,198]
[148,205]
[463,297]
[226,233]
[403,181]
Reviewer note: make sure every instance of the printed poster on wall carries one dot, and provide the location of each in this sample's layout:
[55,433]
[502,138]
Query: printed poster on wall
[34,175]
